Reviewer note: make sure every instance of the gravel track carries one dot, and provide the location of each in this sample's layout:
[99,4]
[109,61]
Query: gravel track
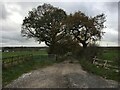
[61,75]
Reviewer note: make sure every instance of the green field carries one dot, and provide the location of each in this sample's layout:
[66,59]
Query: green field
[39,59]
[42,59]
[18,53]
[106,54]
[109,54]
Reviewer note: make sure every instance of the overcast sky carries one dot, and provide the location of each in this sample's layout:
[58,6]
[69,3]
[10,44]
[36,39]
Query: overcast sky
[13,13]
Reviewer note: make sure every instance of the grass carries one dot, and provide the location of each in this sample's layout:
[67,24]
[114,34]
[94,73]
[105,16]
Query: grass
[111,55]
[18,53]
[41,59]
[14,72]
[91,68]
[38,61]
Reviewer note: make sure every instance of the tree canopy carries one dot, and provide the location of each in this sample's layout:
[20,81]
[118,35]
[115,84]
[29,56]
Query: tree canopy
[84,28]
[44,24]
[60,31]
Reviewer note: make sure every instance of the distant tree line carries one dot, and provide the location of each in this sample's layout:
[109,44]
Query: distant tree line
[14,49]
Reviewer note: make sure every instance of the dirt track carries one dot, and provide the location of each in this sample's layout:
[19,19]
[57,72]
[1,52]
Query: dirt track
[65,74]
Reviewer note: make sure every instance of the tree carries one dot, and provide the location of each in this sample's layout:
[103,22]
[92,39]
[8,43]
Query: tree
[84,28]
[44,23]
[65,45]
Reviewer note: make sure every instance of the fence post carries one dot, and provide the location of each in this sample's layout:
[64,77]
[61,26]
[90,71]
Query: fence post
[31,56]
[3,64]
[10,61]
[105,63]
[55,57]
[94,59]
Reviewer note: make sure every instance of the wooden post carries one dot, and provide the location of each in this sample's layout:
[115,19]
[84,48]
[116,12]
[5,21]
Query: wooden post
[94,59]
[8,62]
[31,57]
[19,59]
[105,63]
[55,57]
[3,64]
[12,61]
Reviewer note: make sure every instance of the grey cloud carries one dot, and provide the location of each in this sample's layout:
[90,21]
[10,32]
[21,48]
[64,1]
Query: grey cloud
[111,9]
[15,39]
[112,6]
[12,35]
[12,42]
[119,23]
[71,7]
[111,37]
[3,12]
[28,4]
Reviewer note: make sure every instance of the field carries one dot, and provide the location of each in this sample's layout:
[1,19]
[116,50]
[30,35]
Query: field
[18,53]
[39,59]
[109,55]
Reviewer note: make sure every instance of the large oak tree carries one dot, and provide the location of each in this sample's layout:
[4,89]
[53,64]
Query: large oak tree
[62,32]
[44,23]
[84,28]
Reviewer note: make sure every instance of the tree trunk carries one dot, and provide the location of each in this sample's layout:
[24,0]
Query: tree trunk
[84,45]
[52,48]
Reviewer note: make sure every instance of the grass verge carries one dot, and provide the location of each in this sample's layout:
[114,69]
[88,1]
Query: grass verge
[12,73]
[91,68]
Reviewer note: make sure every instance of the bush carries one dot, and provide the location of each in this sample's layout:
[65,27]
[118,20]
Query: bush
[89,52]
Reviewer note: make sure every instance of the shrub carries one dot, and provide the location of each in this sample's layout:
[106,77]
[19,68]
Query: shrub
[89,52]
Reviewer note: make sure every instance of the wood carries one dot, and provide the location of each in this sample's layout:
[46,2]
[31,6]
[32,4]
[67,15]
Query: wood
[106,63]
[7,62]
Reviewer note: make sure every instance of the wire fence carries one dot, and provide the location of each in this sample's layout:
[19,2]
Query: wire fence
[107,64]
[12,61]
[15,60]
[45,57]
